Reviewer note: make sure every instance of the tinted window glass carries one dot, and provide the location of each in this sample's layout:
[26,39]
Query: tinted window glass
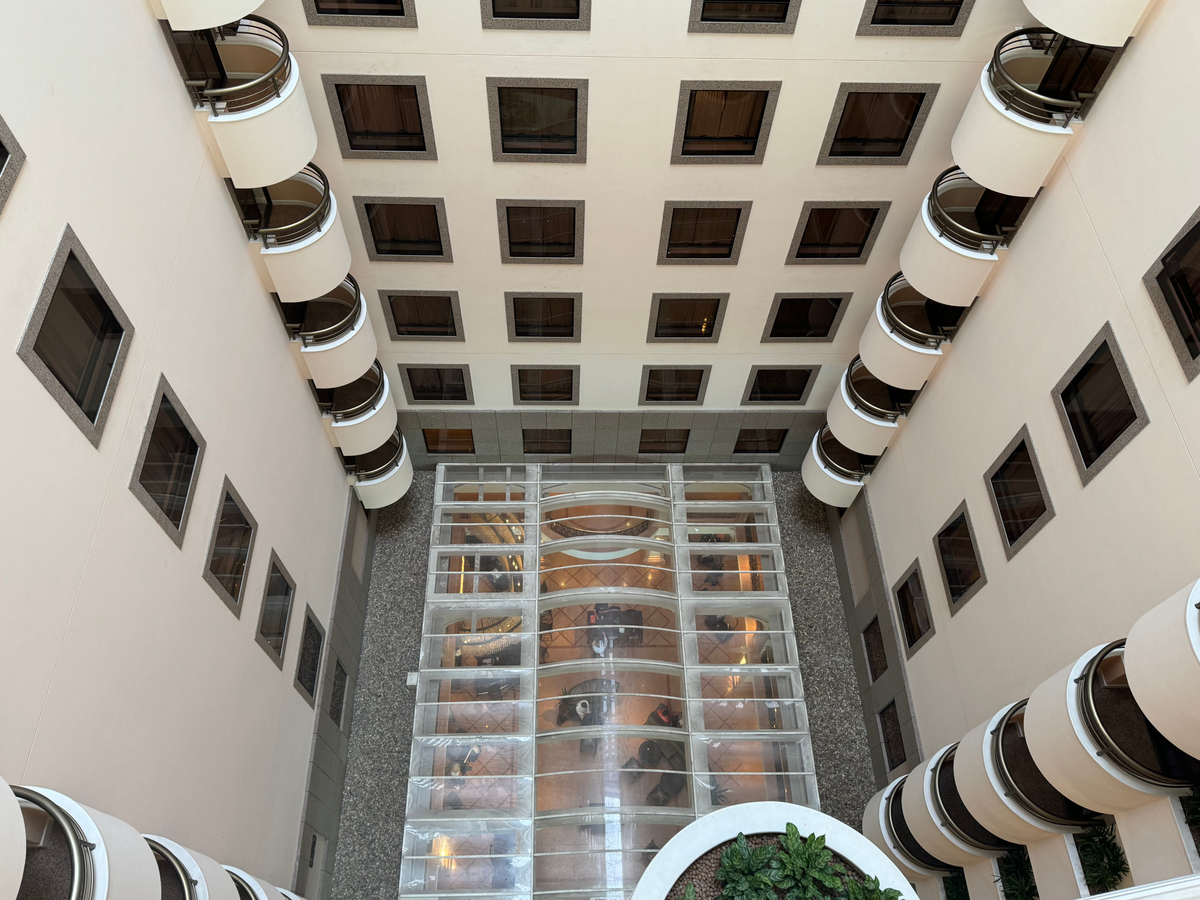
[686,317]
[310,657]
[760,440]
[538,120]
[361,7]
[536,9]
[1018,494]
[544,316]
[170,462]
[779,385]
[438,384]
[805,317]
[79,338]
[663,440]
[702,233]
[938,13]
[914,610]
[546,385]
[876,124]
[723,123]
[875,653]
[420,316]
[337,696]
[231,548]
[1180,283]
[836,233]
[959,559]
[1097,404]
[547,440]
[402,229]
[893,739]
[277,609]
[381,116]
[674,385]
[449,440]
[733,11]
[541,231]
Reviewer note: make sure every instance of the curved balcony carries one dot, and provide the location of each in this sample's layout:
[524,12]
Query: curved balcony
[1162,661]
[200,15]
[1109,22]
[832,472]
[361,414]
[384,474]
[970,216]
[939,268]
[246,77]
[188,874]
[864,413]
[337,342]
[902,341]
[886,824]
[251,888]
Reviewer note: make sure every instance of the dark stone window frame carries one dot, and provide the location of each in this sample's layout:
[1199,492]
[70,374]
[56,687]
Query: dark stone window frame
[739,236]
[861,260]
[322,655]
[1141,420]
[385,302]
[163,388]
[645,383]
[814,370]
[914,567]
[515,368]
[868,650]
[580,86]
[867,29]
[510,317]
[686,88]
[884,742]
[956,605]
[788,26]
[70,244]
[347,690]
[234,603]
[1190,366]
[330,83]
[872,87]
[718,320]
[408,20]
[408,389]
[276,563]
[583,23]
[11,167]
[439,204]
[843,296]
[502,223]
[1039,523]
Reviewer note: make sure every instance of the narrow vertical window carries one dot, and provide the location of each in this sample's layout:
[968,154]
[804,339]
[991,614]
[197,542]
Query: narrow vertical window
[337,695]
[309,666]
[1018,493]
[276,611]
[893,737]
[1098,406]
[229,555]
[168,463]
[874,650]
[914,608]
[1180,284]
[960,560]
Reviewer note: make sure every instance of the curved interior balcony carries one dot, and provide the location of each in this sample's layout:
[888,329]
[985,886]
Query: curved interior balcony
[383,475]
[832,472]
[176,878]
[361,414]
[902,341]
[922,801]
[186,874]
[245,76]
[900,835]
[864,412]
[967,214]
[1045,76]
[337,342]
[951,812]
[619,519]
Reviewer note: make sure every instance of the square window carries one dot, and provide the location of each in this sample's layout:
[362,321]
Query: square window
[423,315]
[723,123]
[674,385]
[536,9]
[381,116]
[1173,283]
[683,317]
[560,15]
[449,440]
[543,317]
[876,124]
[309,666]
[805,317]
[404,229]
[832,233]
[168,462]
[664,440]
[893,738]
[540,120]
[276,610]
[1019,497]
[547,440]
[760,440]
[337,695]
[428,384]
[540,232]
[12,158]
[698,233]
[962,571]
[546,385]
[229,551]
[914,608]
[874,650]
[928,13]
[779,384]
[743,11]
[360,7]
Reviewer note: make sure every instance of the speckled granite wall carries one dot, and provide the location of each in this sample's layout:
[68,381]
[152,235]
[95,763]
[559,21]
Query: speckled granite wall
[839,737]
[367,866]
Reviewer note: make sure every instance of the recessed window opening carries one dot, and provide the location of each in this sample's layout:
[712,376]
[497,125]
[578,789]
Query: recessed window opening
[422,316]
[310,656]
[538,120]
[437,384]
[546,385]
[535,9]
[874,649]
[1018,493]
[914,608]
[170,462]
[674,385]
[686,317]
[544,317]
[664,440]
[79,338]
[405,229]
[760,440]
[276,611]
[1180,284]
[449,440]
[876,124]
[960,560]
[546,440]
[381,116]
[933,13]
[3,156]
[734,11]
[805,317]
[231,547]
[337,695]
[541,231]
[893,738]
[361,7]
[779,385]
[699,233]
[724,123]
[1098,406]
[836,233]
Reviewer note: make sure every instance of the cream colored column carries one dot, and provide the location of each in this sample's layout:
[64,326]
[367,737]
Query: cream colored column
[1157,842]
[1056,868]
[983,880]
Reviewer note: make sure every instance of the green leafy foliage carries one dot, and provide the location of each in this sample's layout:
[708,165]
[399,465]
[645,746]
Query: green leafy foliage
[956,885]
[806,867]
[869,889]
[1103,860]
[747,874]
[1191,807]
[1016,875]
[689,893]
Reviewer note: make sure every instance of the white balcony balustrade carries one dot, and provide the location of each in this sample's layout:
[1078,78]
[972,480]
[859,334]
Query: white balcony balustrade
[886,825]
[207,877]
[361,415]
[197,15]
[832,472]
[252,887]
[901,343]
[383,475]
[333,332]
[864,413]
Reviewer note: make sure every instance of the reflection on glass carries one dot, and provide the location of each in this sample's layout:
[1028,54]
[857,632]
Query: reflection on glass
[479,573]
[607,566]
[723,526]
[726,493]
[729,572]
[606,519]
[482,527]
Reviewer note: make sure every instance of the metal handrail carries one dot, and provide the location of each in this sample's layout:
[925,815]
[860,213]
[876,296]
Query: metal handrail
[81,862]
[238,880]
[955,231]
[260,90]
[298,231]
[914,335]
[1010,784]
[894,835]
[857,400]
[360,408]
[1109,747]
[339,328]
[824,459]
[1021,99]
[390,464]
[944,817]
[189,884]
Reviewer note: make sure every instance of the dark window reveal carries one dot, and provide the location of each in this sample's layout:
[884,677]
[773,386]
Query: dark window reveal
[686,317]
[836,233]
[760,440]
[231,548]
[277,609]
[723,123]
[544,317]
[876,124]
[960,561]
[535,9]
[79,338]
[337,696]
[381,116]
[1097,404]
[914,609]
[1180,283]
[743,11]
[538,120]
[421,316]
[547,440]
[875,653]
[541,231]
[1018,493]
[170,462]
[804,317]
[893,738]
[405,229]
[361,7]
[437,384]
[779,385]
[663,440]
[674,385]
[702,233]
[449,440]
[546,385]
[310,657]
[935,13]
